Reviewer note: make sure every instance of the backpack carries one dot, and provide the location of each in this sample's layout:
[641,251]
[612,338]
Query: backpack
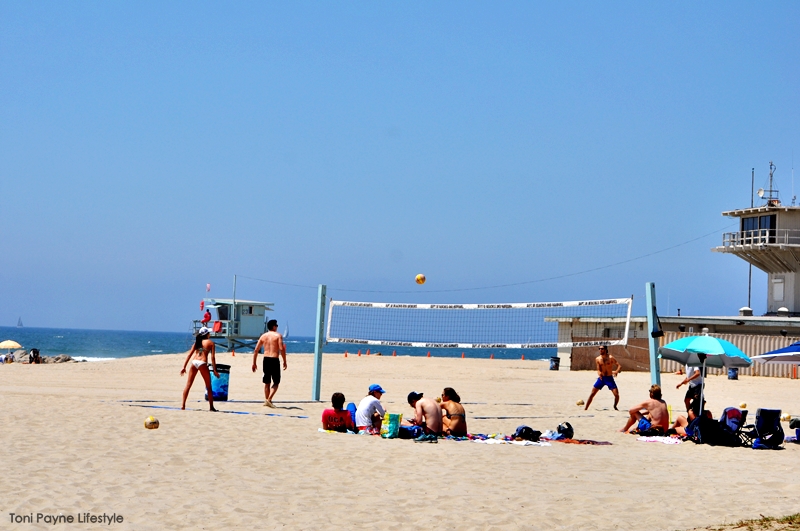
[526,433]
[565,429]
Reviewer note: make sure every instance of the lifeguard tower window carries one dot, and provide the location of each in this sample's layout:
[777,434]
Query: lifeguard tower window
[761,223]
[222,312]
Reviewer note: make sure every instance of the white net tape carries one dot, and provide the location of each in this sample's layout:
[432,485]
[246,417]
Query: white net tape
[530,325]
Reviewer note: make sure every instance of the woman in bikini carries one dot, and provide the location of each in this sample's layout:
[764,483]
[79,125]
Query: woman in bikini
[454,421]
[202,347]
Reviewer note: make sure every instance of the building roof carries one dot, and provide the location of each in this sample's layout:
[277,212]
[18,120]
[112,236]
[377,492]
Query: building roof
[736,320]
[760,210]
[238,302]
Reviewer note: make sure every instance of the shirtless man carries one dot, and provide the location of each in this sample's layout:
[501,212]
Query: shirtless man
[272,342]
[605,375]
[656,410]
[428,414]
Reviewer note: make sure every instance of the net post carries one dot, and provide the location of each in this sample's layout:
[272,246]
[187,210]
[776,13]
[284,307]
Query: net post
[655,369]
[315,388]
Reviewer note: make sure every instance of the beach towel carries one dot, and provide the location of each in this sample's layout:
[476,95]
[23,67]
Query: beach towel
[663,440]
[583,441]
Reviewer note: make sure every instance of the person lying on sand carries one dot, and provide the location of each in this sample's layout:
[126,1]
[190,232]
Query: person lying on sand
[428,414]
[337,419]
[454,421]
[657,415]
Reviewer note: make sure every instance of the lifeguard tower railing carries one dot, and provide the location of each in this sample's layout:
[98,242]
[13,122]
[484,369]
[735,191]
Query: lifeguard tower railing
[228,328]
[762,237]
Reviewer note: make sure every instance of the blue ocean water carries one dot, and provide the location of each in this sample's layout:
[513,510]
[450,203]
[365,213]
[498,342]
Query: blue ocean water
[95,345]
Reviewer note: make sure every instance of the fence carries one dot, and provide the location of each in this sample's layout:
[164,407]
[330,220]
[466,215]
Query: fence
[751,345]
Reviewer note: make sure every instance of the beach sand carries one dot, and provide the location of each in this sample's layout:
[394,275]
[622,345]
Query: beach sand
[74,443]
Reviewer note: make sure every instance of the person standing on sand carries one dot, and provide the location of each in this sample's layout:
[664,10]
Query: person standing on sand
[272,343]
[605,375]
[202,347]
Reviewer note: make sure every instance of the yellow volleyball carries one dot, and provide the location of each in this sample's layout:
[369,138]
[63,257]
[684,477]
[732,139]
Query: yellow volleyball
[420,279]
[151,423]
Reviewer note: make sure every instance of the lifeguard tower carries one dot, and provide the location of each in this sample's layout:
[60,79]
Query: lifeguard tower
[769,239]
[239,323]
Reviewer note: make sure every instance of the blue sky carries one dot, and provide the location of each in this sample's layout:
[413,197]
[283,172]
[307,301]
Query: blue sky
[148,149]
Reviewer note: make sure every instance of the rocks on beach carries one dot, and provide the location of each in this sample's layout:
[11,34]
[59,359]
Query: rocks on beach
[23,356]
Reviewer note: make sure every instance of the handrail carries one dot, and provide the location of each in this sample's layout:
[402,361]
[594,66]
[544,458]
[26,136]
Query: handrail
[762,237]
[229,327]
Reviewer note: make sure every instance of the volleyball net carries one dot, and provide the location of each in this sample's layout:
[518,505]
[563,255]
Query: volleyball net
[527,325]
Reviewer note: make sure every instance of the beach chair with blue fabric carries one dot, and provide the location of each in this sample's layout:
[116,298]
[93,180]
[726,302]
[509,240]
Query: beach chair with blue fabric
[767,432]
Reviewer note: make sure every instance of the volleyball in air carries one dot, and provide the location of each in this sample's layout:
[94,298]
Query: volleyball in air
[151,423]
[420,279]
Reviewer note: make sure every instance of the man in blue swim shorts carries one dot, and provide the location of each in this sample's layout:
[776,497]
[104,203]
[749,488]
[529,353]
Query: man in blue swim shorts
[605,375]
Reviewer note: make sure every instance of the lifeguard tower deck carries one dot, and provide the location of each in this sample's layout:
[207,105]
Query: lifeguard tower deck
[239,323]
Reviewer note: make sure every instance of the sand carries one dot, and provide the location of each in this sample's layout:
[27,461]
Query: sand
[73,444]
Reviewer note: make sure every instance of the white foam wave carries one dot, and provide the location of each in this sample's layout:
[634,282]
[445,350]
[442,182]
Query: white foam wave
[86,358]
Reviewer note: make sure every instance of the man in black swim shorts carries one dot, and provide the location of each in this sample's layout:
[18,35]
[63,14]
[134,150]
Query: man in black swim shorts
[273,345]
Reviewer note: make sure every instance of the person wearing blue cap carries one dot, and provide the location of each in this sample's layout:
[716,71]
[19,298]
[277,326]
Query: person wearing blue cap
[369,413]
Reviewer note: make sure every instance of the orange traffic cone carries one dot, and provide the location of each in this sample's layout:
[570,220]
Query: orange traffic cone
[367,352]
[523,356]
[462,355]
[345,353]
[394,353]
[359,352]
[491,356]
[233,352]
[429,353]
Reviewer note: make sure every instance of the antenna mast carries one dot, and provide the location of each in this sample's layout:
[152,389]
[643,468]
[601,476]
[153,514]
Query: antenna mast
[770,195]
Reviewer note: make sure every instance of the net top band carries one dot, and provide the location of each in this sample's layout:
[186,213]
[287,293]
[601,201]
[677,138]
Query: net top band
[499,306]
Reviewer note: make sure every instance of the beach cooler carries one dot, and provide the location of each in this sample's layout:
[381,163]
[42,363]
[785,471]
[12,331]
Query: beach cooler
[219,386]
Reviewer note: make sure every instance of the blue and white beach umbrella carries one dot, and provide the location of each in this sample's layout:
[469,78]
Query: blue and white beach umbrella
[704,351]
[790,354]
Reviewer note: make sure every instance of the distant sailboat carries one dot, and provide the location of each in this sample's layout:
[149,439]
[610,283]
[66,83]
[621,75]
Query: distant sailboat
[19,322]
[286,332]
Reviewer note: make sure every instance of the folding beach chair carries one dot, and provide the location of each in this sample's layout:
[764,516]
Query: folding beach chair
[767,432]
[723,432]
[732,422]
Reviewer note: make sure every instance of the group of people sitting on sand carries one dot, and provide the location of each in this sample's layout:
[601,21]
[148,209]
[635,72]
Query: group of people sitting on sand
[443,416]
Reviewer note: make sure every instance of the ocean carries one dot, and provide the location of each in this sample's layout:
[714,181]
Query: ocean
[101,345]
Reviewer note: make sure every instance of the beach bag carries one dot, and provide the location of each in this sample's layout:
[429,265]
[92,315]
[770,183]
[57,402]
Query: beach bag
[526,433]
[565,430]
[391,425]
[410,432]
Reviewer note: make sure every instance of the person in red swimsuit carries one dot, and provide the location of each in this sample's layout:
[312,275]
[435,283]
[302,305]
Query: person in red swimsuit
[337,419]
